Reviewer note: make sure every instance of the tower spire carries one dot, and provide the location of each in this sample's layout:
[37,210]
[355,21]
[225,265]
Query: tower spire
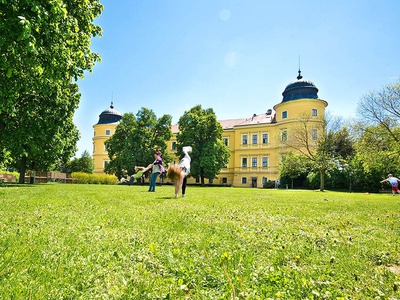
[299,76]
[112,100]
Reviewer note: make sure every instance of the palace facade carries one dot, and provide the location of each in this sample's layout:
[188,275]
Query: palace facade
[257,143]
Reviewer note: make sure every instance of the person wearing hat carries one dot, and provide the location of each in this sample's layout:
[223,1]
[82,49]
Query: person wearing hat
[157,168]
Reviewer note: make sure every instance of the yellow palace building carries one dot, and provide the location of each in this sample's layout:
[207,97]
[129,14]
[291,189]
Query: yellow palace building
[257,143]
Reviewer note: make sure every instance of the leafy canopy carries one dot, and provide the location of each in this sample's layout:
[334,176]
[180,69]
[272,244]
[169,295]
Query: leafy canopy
[44,49]
[200,129]
[135,140]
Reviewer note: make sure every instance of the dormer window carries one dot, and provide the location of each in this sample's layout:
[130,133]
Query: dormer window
[284,114]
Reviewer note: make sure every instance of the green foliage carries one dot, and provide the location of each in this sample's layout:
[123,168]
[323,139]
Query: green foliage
[200,129]
[86,178]
[135,140]
[292,166]
[120,242]
[5,158]
[83,164]
[15,174]
[376,156]
[44,49]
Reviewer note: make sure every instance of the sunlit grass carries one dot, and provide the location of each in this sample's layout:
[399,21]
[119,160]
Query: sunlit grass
[60,241]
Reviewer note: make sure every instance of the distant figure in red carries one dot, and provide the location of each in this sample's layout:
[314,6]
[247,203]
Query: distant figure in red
[394,182]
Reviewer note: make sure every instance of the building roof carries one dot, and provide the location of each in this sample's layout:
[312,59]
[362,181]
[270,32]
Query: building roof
[300,89]
[266,118]
[109,116]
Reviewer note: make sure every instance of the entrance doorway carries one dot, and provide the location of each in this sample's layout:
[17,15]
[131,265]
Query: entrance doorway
[254,182]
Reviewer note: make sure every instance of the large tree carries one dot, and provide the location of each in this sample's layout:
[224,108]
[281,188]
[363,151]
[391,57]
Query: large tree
[200,129]
[44,49]
[309,138]
[135,139]
[376,156]
[382,108]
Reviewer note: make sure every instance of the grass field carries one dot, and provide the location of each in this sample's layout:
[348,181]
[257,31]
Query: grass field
[62,241]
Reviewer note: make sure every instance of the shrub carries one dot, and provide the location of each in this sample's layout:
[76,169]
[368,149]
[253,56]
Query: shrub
[86,178]
[15,174]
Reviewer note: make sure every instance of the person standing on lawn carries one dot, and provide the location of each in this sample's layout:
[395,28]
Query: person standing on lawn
[394,182]
[157,168]
[179,172]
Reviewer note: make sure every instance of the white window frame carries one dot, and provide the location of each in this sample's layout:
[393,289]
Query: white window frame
[265,162]
[314,112]
[244,139]
[284,135]
[254,139]
[265,138]
[244,162]
[254,162]
[314,134]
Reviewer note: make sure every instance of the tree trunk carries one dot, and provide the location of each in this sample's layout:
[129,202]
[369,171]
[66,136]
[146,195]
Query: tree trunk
[322,180]
[292,183]
[22,170]
[202,180]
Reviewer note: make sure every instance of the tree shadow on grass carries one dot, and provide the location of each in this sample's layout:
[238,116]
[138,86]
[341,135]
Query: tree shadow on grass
[166,197]
[16,185]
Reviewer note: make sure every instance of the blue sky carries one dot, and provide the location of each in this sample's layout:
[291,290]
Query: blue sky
[236,56]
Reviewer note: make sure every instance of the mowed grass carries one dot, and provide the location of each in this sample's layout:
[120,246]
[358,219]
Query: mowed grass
[62,241]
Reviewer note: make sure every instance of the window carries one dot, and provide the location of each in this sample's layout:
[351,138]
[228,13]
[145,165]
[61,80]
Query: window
[314,112]
[106,162]
[244,139]
[265,161]
[108,132]
[225,141]
[224,180]
[254,139]
[244,180]
[105,147]
[244,162]
[314,134]
[254,162]
[284,114]
[265,138]
[173,146]
[284,135]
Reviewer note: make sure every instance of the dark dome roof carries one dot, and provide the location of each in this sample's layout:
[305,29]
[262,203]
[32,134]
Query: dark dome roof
[110,115]
[300,89]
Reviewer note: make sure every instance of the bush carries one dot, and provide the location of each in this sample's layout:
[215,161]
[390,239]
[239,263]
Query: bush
[15,174]
[270,184]
[86,178]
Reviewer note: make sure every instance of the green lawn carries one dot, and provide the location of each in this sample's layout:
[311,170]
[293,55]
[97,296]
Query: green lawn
[61,241]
